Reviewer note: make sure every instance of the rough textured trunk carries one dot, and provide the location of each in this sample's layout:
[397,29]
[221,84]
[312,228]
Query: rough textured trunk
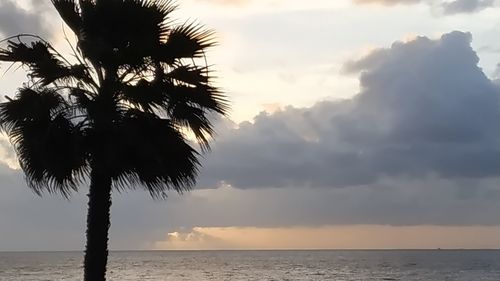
[98,223]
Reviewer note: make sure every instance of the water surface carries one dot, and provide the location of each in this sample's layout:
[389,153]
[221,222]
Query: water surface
[261,265]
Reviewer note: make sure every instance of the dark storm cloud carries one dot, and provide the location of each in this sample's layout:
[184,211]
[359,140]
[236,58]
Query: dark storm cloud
[15,20]
[425,108]
[52,223]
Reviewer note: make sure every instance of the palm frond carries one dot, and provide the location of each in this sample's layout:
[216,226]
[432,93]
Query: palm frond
[82,98]
[189,40]
[190,74]
[30,105]
[145,95]
[123,32]
[195,120]
[204,97]
[186,103]
[44,64]
[152,153]
[70,13]
[148,90]
[47,143]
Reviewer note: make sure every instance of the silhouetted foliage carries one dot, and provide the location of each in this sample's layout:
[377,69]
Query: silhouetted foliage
[119,112]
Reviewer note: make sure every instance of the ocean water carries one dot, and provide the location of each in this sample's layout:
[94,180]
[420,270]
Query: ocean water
[261,265]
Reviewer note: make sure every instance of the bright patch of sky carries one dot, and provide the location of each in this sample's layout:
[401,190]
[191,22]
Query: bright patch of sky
[332,237]
[291,52]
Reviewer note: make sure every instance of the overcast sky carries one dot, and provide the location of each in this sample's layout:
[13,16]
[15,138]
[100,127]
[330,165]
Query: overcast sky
[355,124]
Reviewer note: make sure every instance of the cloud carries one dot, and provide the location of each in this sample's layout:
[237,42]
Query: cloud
[194,239]
[7,154]
[448,8]
[418,145]
[139,222]
[466,6]
[425,108]
[15,20]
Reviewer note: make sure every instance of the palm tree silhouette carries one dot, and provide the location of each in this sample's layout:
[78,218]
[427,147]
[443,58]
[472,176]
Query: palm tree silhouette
[120,114]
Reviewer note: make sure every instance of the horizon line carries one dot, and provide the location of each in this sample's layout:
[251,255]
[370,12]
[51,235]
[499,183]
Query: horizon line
[262,250]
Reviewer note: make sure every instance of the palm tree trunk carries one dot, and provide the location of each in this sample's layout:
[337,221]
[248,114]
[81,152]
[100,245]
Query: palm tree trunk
[98,223]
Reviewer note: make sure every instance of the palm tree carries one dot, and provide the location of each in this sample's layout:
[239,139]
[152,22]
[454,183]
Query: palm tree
[119,115]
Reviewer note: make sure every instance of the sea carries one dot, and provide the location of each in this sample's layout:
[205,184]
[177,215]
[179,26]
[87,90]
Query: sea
[421,265]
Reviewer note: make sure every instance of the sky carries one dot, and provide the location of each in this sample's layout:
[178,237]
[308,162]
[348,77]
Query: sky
[355,124]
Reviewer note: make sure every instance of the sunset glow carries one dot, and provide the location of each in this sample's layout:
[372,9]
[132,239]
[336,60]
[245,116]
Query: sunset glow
[334,237]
